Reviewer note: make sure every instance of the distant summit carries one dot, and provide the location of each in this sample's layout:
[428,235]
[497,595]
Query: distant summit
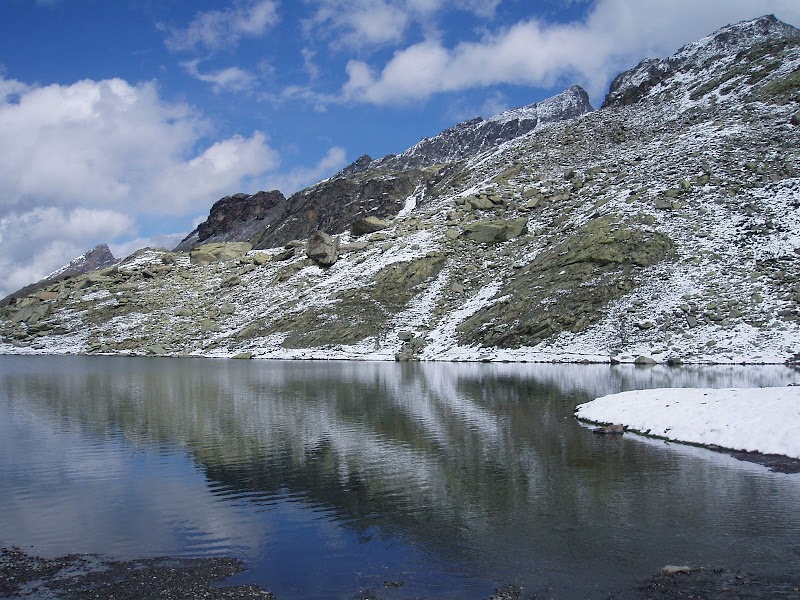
[728,62]
[95,259]
[476,135]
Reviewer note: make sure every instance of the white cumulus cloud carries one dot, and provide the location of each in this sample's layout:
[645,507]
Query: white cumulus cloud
[615,35]
[82,164]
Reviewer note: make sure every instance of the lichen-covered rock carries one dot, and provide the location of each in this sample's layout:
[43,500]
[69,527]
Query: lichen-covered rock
[551,294]
[490,232]
[219,252]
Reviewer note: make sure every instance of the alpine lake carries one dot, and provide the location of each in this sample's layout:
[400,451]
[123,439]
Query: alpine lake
[415,480]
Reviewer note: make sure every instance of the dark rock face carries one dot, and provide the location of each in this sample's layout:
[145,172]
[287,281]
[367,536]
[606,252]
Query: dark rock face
[360,164]
[235,218]
[95,259]
[227,212]
[335,204]
[743,53]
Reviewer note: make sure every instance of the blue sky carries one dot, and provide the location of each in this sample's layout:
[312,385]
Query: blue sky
[122,121]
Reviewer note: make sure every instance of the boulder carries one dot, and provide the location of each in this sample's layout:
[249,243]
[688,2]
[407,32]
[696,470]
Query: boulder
[489,232]
[322,248]
[610,430]
[368,225]
[480,202]
[219,252]
[207,325]
[200,257]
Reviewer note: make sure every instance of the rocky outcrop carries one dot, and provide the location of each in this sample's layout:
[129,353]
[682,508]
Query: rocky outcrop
[219,252]
[362,163]
[605,252]
[236,218]
[333,205]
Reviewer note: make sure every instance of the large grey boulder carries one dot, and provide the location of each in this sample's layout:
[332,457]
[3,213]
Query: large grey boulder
[489,232]
[322,248]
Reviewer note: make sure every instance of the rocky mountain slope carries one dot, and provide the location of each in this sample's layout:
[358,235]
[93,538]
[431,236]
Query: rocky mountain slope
[95,259]
[663,227]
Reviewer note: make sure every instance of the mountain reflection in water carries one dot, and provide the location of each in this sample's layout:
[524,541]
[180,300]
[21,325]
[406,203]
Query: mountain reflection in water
[327,478]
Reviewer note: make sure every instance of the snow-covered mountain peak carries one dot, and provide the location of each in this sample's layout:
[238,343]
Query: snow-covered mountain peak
[727,64]
[98,257]
[476,135]
[732,39]
[573,101]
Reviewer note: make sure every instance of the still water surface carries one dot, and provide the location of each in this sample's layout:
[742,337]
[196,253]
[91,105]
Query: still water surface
[331,478]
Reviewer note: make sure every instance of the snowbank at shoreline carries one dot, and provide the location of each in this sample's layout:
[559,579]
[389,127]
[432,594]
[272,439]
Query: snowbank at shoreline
[765,420]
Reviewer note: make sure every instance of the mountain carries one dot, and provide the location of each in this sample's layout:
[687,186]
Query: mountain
[97,258]
[476,135]
[266,219]
[662,227]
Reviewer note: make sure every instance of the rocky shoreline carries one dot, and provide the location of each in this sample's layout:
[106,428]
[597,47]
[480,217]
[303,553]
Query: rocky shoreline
[91,576]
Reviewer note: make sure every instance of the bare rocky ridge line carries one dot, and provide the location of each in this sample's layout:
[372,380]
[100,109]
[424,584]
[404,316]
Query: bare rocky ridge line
[267,219]
[664,227]
[97,258]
